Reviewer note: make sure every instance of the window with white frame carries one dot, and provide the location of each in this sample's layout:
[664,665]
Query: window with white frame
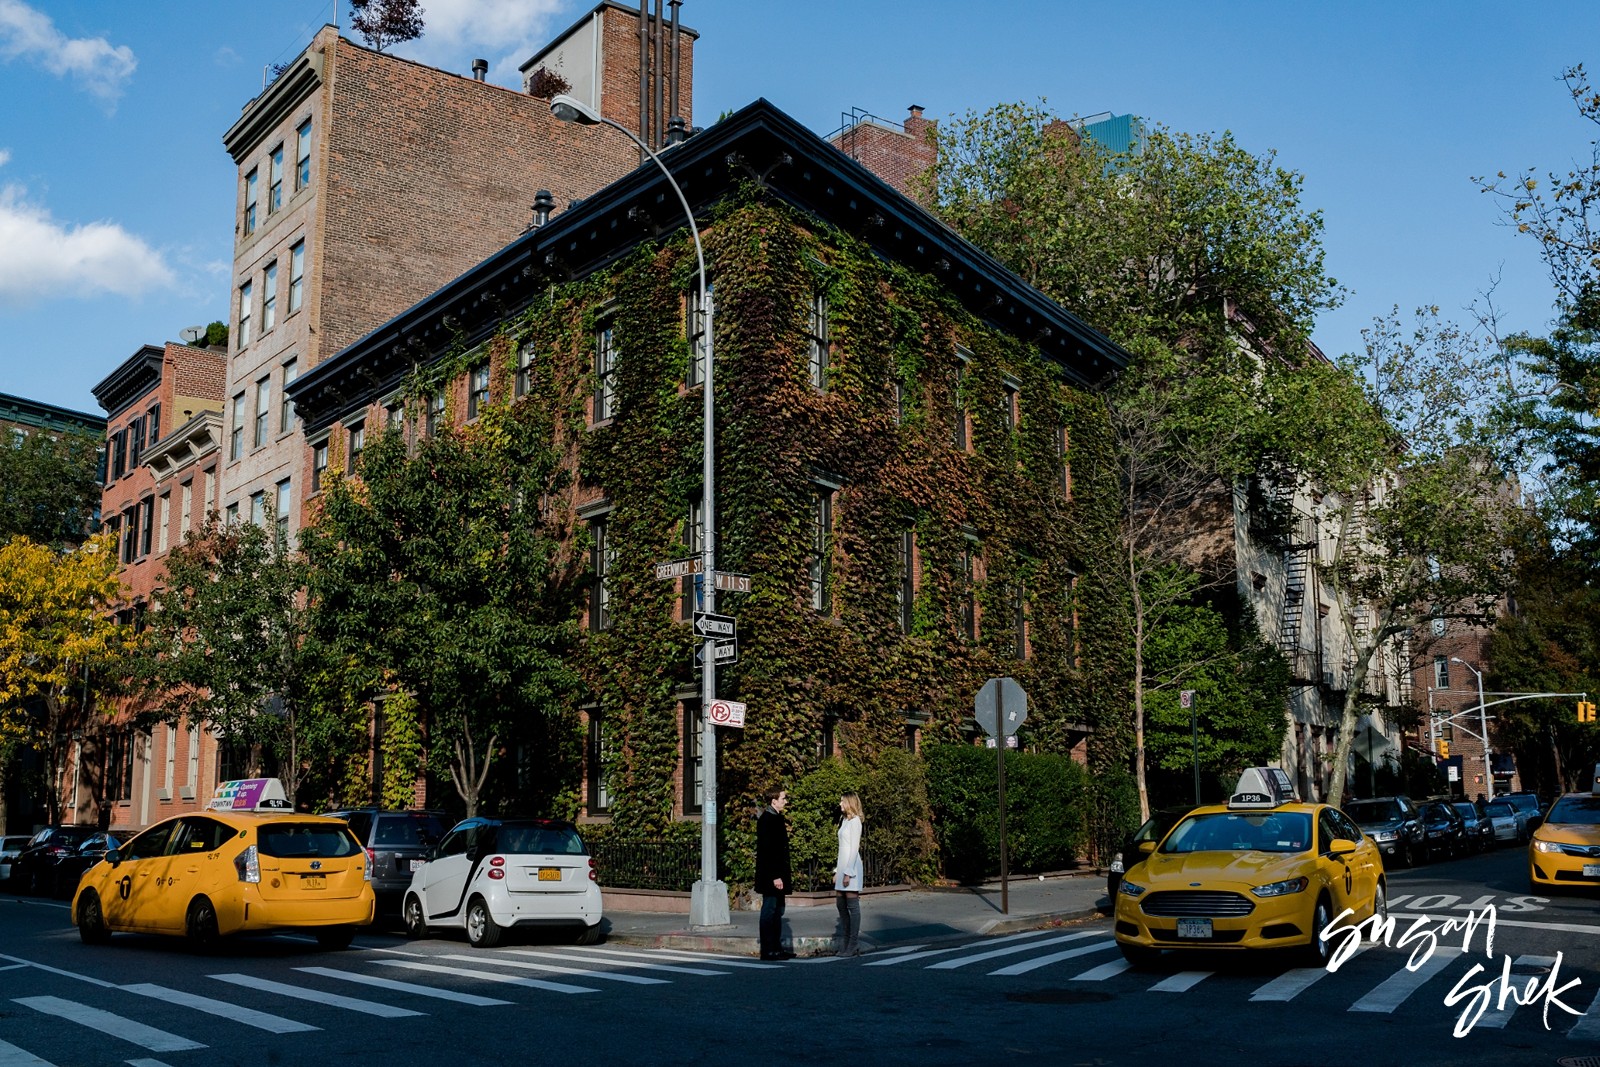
[210,492]
[524,383]
[251,181]
[694,532]
[435,416]
[236,435]
[817,565]
[695,330]
[163,520]
[1010,399]
[477,389]
[958,398]
[170,770]
[357,444]
[302,155]
[599,752]
[297,275]
[185,507]
[905,587]
[246,300]
[605,373]
[275,180]
[291,370]
[817,340]
[263,411]
[1441,672]
[601,558]
[258,509]
[231,514]
[319,464]
[694,765]
[283,499]
[269,297]
[194,760]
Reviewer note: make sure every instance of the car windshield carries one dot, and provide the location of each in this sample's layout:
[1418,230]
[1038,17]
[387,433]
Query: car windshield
[1581,811]
[1501,809]
[1375,811]
[535,839]
[307,840]
[1232,831]
[1525,801]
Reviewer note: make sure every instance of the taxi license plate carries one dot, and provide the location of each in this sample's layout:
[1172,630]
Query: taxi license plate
[1199,929]
[1591,870]
[549,874]
[417,865]
[313,881]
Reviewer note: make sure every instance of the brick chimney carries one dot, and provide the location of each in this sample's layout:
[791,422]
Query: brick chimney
[897,154]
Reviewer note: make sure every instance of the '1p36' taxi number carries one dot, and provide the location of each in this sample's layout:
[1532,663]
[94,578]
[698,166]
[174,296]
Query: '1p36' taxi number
[1199,929]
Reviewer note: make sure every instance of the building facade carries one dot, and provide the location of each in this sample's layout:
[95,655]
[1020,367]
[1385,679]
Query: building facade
[365,182]
[900,423]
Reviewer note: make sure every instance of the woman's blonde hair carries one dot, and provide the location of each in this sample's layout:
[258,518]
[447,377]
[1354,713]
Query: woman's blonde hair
[851,805]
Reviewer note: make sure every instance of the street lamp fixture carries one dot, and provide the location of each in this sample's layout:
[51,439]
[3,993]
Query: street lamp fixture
[1483,725]
[708,901]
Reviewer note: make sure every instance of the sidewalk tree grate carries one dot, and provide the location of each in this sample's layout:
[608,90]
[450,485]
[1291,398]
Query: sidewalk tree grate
[1063,996]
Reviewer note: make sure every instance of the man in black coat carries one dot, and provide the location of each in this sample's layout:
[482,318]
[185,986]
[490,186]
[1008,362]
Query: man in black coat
[773,876]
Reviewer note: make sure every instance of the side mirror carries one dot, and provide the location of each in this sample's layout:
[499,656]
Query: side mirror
[114,856]
[1147,847]
[1341,846]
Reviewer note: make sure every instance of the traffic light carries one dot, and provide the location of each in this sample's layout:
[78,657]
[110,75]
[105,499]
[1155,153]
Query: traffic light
[1586,711]
[1444,749]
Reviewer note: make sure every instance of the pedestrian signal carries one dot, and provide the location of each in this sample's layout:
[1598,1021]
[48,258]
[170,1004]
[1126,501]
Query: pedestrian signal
[1444,750]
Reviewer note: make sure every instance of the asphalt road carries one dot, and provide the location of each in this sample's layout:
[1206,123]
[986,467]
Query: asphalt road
[1057,996]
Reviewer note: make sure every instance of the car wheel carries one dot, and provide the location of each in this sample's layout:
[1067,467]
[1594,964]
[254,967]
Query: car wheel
[1316,953]
[201,925]
[416,922]
[589,935]
[482,930]
[1140,957]
[334,938]
[92,928]
[1380,902]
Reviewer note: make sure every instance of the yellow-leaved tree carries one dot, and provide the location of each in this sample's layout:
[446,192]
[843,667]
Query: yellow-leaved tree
[58,637]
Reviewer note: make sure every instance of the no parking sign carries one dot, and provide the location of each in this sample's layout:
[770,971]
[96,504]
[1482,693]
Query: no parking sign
[727,713]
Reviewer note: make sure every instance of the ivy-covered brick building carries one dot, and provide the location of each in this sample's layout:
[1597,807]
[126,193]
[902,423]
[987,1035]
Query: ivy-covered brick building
[912,463]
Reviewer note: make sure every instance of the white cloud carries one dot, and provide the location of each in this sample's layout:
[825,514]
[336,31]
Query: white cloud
[45,258]
[509,32]
[99,66]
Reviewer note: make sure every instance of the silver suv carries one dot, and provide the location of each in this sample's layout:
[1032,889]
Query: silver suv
[398,842]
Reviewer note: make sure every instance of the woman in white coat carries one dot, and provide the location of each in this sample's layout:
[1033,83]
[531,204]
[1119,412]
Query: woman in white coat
[847,876]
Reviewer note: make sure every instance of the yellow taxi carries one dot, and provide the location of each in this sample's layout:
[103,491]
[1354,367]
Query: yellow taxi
[1263,871]
[247,863]
[1565,849]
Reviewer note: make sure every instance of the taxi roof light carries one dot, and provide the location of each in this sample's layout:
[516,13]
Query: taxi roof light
[1261,788]
[250,794]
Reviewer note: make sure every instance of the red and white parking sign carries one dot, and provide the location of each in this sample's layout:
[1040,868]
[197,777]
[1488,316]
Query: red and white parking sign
[727,713]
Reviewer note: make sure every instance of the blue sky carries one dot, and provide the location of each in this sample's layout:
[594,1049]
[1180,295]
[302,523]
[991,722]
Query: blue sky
[116,195]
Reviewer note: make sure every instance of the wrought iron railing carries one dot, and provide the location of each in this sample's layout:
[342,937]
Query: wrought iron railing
[645,863]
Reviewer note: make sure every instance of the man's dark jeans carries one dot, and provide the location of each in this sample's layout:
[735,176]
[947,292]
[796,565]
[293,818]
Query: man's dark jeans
[772,905]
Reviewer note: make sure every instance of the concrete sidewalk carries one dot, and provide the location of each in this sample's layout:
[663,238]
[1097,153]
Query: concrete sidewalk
[888,917]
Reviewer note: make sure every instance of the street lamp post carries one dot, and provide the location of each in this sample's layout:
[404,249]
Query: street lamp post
[708,903]
[1483,725]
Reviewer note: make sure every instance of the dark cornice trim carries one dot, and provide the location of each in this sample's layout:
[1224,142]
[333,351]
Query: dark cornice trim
[262,115]
[138,374]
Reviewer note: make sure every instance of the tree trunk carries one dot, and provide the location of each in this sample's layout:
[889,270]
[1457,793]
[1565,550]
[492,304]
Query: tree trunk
[467,772]
[1138,703]
[1347,722]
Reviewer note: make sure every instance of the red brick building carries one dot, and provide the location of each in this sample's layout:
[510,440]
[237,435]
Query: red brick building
[365,182]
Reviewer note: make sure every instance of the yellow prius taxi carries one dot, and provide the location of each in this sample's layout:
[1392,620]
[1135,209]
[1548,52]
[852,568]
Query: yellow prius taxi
[1263,871]
[1565,849]
[247,863]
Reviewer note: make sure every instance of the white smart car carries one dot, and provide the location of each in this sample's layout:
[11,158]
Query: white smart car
[488,876]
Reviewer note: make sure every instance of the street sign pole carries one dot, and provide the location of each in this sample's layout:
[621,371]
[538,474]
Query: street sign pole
[1000,754]
[1187,699]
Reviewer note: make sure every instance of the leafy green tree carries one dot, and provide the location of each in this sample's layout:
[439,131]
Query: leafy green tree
[1416,523]
[1199,258]
[385,23]
[228,644]
[49,487]
[60,646]
[443,567]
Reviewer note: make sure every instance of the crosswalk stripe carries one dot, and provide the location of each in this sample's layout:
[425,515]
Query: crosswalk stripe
[316,996]
[1588,1027]
[115,1025]
[950,965]
[607,976]
[146,1063]
[12,1056]
[1102,972]
[1390,993]
[1181,982]
[681,955]
[261,1020]
[640,966]
[405,987]
[1290,984]
[910,956]
[1055,957]
[1495,1017]
[489,976]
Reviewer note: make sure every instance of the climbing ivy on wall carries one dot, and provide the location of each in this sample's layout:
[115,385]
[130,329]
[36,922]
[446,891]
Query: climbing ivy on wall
[891,467]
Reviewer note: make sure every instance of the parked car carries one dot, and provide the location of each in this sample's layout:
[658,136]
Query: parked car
[1508,823]
[1153,830]
[1394,824]
[1444,833]
[69,868]
[248,863]
[10,847]
[398,843]
[1529,805]
[1479,831]
[489,876]
[33,871]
